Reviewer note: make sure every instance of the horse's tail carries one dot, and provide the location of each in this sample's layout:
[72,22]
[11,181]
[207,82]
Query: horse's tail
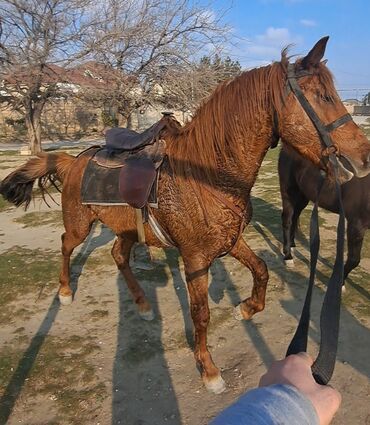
[17,186]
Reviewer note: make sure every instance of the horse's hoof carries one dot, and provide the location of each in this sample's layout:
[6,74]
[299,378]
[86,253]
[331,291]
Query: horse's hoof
[216,385]
[238,313]
[147,315]
[245,313]
[65,299]
[289,263]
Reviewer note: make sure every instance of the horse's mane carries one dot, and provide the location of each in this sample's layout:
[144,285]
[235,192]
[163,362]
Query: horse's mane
[221,124]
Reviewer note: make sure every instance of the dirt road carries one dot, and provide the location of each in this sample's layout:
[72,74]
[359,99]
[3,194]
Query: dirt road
[97,362]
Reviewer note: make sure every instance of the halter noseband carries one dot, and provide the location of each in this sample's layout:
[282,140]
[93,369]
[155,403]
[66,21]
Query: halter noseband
[330,149]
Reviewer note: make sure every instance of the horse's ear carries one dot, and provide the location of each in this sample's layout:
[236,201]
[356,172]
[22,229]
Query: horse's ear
[315,54]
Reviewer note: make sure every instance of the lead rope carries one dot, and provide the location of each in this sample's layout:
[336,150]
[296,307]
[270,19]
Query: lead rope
[323,366]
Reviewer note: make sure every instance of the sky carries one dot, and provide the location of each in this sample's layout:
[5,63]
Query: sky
[263,27]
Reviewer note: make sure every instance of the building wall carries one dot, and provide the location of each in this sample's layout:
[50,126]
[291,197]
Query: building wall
[361,110]
[60,119]
[12,127]
[67,119]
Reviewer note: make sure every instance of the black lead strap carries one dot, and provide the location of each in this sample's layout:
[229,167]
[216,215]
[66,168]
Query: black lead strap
[323,366]
[299,341]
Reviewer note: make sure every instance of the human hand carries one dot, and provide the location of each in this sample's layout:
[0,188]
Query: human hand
[296,370]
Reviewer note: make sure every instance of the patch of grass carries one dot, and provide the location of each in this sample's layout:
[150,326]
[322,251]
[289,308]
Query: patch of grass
[35,219]
[9,153]
[62,370]
[366,243]
[99,259]
[24,271]
[91,300]
[366,130]
[358,291]
[99,314]
[4,205]
[8,363]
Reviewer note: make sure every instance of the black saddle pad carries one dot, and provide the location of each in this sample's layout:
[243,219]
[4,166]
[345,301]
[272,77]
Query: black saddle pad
[100,186]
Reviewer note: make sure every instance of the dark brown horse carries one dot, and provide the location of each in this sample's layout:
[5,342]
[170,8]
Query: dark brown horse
[205,183]
[299,181]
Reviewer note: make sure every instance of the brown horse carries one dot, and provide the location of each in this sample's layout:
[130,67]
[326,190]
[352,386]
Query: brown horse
[205,183]
[299,181]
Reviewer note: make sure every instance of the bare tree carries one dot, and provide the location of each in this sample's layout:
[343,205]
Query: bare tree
[185,87]
[141,39]
[136,41]
[35,36]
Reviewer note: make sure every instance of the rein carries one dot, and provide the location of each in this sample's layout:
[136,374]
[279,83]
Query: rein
[323,366]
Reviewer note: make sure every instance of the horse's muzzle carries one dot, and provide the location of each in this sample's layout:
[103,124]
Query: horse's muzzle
[358,168]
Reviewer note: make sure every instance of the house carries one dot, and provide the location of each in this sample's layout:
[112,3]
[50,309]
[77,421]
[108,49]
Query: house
[350,104]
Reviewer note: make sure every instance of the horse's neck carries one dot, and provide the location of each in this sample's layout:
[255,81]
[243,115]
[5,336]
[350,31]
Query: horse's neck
[238,179]
[230,160]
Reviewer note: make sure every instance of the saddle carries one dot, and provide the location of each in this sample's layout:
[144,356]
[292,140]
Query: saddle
[136,158]
[124,139]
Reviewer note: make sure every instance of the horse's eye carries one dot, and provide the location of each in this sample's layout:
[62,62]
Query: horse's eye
[326,98]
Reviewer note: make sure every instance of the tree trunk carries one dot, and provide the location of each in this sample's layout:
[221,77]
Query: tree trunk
[33,124]
[129,122]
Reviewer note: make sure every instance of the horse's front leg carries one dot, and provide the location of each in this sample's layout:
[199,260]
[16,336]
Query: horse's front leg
[196,270]
[288,232]
[292,209]
[256,302]
[355,237]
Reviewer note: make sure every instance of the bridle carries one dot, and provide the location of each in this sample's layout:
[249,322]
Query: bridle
[324,364]
[323,130]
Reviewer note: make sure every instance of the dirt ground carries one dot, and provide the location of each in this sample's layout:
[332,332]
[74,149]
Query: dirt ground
[97,362]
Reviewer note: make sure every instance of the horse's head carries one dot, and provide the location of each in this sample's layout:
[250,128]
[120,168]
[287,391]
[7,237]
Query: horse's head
[315,122]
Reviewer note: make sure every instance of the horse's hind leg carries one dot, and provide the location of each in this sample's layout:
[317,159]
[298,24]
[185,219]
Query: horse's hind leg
[121,254]
[256,302]
[76,232]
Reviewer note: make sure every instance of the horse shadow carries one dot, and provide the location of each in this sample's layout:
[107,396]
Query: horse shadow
[89,245]
[221,284]
[141,380]
[352,331]
[27,361]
